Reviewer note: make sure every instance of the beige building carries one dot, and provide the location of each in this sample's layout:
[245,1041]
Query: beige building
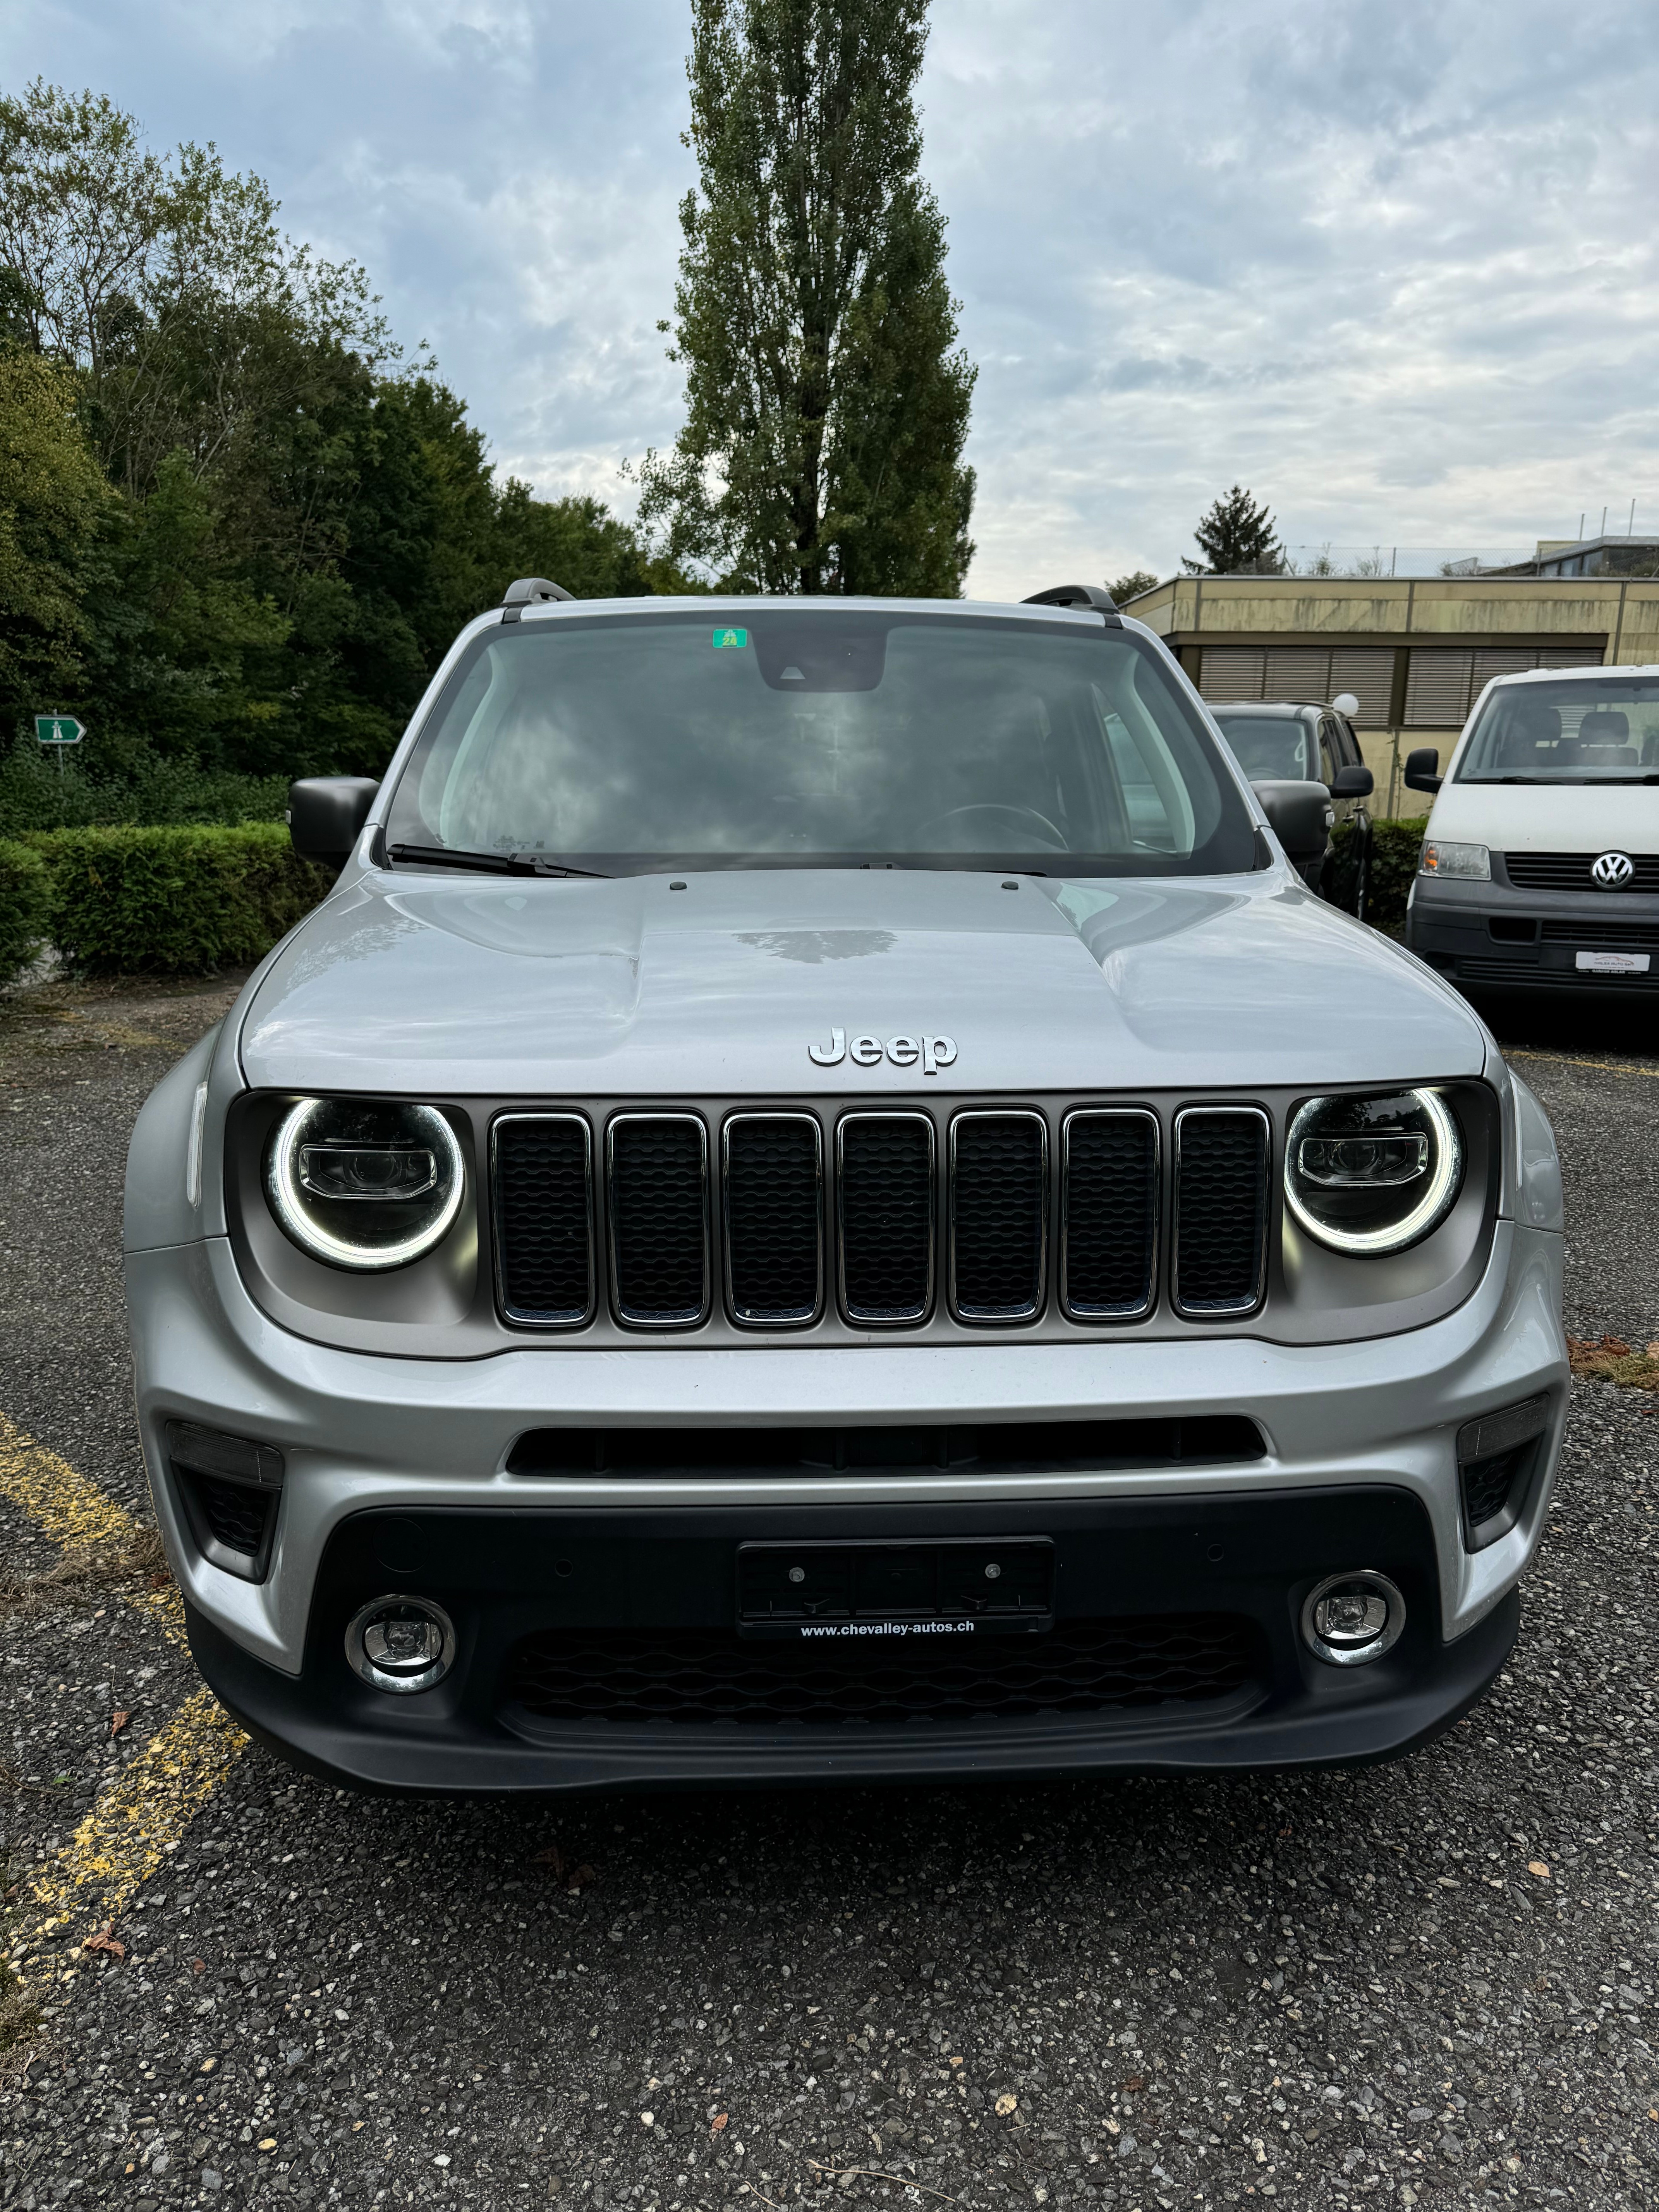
[1414,652]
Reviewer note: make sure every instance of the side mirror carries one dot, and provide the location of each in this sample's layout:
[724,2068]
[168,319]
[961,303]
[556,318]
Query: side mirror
[1420,767]
[326,814]
[1353,782]
[1300,816]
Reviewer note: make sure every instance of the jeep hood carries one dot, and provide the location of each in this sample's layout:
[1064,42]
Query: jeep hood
[568,987]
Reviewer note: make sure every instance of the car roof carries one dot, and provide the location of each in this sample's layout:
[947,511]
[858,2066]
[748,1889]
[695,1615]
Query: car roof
[1644,668]
[1268,707]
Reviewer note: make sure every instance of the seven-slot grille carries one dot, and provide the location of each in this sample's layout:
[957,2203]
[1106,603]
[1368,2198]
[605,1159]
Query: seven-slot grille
[877,1235]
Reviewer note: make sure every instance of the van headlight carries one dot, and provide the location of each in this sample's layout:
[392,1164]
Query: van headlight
[364,1183]
[1373,1174]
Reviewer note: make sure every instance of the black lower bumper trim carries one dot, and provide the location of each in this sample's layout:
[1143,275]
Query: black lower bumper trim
[1178,1587]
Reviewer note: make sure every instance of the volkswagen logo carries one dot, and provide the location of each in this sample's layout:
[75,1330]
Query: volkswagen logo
[1612,871]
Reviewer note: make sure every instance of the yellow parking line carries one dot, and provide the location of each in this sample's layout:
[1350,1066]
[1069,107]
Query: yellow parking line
[1563,1059]
[141,1816]
[128,1832]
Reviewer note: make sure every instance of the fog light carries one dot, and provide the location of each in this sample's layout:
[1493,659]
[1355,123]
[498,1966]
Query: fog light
[1350,1619]
[401,1643]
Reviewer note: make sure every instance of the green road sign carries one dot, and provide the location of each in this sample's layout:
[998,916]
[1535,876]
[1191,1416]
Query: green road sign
[59,729]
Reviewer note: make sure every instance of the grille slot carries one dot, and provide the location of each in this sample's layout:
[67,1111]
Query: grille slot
[885,1196]
[1615,930]
[1528,974]
[544,1194]
[999,1215]
[679,1676]
[1221,1210]
[1108,1222]
[774,1219]
[658,1206]
[1571,871]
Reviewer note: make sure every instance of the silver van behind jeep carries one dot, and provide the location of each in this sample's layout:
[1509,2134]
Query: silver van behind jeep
[820,1201]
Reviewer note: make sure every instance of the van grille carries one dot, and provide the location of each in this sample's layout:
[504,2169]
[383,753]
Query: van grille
[799,1214]
[1571,871]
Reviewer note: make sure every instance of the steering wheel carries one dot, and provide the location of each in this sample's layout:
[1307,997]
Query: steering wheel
[1007,813]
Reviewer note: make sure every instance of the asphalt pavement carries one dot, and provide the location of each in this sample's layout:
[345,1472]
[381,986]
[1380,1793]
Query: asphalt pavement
[1431,1983]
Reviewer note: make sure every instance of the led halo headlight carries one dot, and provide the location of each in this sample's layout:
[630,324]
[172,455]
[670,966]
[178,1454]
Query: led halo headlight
[365,1183]
[1369,1176]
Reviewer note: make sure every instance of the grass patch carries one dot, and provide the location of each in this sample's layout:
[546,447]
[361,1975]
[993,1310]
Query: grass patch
[1610,1359]
[87,1570]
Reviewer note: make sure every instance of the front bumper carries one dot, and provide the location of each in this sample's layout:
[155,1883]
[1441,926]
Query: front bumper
[363,1436]
[564,1619]
[1490,936]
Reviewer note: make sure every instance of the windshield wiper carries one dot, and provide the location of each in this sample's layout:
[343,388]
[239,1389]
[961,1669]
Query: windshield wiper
[499,864]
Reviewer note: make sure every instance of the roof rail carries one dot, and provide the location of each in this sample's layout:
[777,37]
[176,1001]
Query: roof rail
[1080,595]
[530,591]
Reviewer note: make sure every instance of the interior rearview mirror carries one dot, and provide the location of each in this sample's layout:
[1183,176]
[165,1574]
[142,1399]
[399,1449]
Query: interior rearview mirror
[1420,769]
[1299,815]
[326,814]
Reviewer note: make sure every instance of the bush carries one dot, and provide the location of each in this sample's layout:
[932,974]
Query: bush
[174,900]
[25,908]
[36,793]
[1395,849]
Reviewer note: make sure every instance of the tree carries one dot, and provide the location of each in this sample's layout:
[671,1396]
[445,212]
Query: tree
[1237,538]
[827,401]
[1132,585]
[54,503]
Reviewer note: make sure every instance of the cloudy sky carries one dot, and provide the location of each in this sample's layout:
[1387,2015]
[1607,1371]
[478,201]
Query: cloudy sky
[1394,268]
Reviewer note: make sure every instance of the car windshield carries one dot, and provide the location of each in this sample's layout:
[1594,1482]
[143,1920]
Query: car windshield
[1603,729]
[775,736]
[1270,745]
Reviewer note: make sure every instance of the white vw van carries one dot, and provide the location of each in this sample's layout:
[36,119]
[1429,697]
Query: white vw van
[1540,866]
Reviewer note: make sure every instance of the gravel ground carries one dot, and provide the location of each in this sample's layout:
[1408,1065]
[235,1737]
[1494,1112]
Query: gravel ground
[1429,1982]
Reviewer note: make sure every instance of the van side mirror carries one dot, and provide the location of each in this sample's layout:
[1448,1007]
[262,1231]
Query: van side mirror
[1420,767]
[326,814]
[1299,816]
[1353,782]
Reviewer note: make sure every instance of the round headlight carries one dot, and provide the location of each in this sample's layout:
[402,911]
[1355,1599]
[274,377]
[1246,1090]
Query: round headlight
[1373,1174]
[364,1182]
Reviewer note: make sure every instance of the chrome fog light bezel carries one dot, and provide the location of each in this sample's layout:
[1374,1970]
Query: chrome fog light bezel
[1357,1655]
[384,1678]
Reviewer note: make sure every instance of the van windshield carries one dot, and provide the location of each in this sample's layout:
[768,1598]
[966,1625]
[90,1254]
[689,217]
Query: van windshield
[774,736]
[1603,729]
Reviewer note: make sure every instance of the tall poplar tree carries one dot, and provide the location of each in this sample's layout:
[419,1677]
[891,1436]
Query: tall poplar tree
[827,398]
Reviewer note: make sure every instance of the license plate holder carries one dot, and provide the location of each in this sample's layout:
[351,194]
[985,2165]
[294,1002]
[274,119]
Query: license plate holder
[867,1589]
[1613,963]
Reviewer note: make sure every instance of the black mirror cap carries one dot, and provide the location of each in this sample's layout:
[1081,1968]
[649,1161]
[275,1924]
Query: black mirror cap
[326,814]
[1353,782]
[1420,767]
[1299,816]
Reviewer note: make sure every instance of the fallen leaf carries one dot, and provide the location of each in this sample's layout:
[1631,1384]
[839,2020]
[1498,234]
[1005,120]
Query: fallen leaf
[105,1940]
[1006,2104]
[552,1859]
[118,1722]
[1652,1349]
[719,2121]
[956,2062]
[580,1879]
[198,1965]
[1135,2084]
[1537,1867]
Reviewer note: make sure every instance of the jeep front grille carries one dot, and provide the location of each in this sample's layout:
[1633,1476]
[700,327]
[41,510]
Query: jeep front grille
[983,1217]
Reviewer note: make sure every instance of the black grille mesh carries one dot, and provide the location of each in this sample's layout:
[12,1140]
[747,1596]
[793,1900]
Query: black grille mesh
[887,1216]
[1111,1213]
[1571,871]
[658,1225]
[1221,1211]
[544,1228]
[701,1675]
[1615,930]
[773,1218]
[1487,1483]
[237,1517]
[999,1206]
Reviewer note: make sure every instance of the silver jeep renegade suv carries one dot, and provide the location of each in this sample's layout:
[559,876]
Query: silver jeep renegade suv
[819,1201]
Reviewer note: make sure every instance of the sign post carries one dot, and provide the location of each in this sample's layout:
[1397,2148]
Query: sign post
[58,730]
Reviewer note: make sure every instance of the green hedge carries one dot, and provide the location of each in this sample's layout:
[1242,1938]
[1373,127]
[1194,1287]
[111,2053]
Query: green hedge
[175,900]
[1395,849]
[25,908]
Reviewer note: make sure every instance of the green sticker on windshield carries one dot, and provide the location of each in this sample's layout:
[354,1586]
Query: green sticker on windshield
[729,637]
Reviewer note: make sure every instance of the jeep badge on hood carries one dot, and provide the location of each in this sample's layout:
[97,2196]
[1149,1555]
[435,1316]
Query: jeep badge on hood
[933,1051]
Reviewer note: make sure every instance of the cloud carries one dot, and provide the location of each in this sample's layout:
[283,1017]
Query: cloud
[1392,269]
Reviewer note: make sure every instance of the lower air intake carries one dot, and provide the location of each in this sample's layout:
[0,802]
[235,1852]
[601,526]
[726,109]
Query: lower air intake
[694,1676]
